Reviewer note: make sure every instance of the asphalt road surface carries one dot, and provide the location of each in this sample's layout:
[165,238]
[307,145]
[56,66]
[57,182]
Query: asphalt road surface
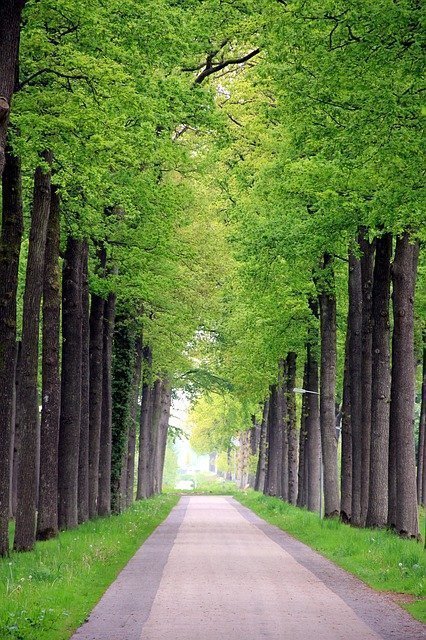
[215,571]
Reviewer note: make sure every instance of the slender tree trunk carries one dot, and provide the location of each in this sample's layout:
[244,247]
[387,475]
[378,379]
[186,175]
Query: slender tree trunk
[355,387]
[273,451]
[166,402]
[95,397]
[122,396]
[69,428]
[380,399]
[145,423]
[292,429]
[404,273]
[154,436]
[134,414]
[282,431]
[11,235]
[28,392]
[47,520]
[302,490]
[367,266]
[327,303]
[253,449]
[346,467]
[83,462]
[313,432]
[16,434]
[104,494]
[421,470]
[259,484]
[10,28]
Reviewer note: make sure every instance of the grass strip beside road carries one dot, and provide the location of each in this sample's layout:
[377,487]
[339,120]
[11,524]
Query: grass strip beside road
[47,593]
[378,557]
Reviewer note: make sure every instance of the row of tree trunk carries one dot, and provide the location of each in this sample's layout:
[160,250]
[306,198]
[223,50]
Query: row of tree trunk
[377,485]
[77,460]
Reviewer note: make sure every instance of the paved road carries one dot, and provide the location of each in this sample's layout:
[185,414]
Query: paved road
[215,571]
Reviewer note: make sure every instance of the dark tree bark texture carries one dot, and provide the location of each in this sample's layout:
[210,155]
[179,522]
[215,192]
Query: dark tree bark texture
[145,427]
[259,484]
[83,455]
[346,467]
[134,415]
[292,429]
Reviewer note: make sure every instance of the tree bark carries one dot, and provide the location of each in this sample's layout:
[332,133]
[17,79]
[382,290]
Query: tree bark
[380,398]
[122,396]
[83,456]
[421,469]
[273,450]
[327,304]
[157,397]
[69,428]
[404,271]
[10,29]
[367,266]
[144,429]
[302,476]
[313,432]
[134,415]
[354,355]
[28,392]
[11,236]
[104,494]
[95,397]
[47,520]
[259,484]
[346,466]
[282,431]
[166,401]
[291,428]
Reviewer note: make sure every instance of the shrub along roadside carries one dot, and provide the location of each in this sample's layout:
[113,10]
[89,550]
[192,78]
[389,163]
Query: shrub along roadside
[47,593]
[378,557]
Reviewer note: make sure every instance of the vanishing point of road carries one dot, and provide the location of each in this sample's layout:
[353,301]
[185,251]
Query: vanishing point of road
[215,571]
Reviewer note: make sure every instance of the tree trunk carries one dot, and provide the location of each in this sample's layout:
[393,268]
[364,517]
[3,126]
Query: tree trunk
[327,303]
[122,396]
[69,428]
[134,414]
[11,236]
[166,402]
[259,484]
[47,520]
[95,398]
[282,431]
[10,28]
[83,461]
[292,428]
[313,437]
[404,273]
[104,494]
[302,488]
[380,398]
[354,356]
[421,470]
[28,392]
[346,466]
[367,266]
[144,430]
[157,397]
[273,451]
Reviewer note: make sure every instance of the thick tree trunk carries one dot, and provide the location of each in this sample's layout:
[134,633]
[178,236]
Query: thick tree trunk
[83,461]
[28,391]
[380,398]
[11,235]
[47,520]
[104,493]
[259,484]
[421,469]
[282,431]
[95,398]
[145,427]
[292,428]
[254,434]
[404,273]
[273,450]
[346,466]
[69,428]
[313,437]
[327,303]
[367,266]
[157,398]
[122,396]
[166,403]
[10,28]
[134,415]
[354,355]
[302,476]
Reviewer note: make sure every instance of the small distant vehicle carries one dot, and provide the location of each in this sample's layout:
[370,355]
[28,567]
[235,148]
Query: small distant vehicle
[185,485]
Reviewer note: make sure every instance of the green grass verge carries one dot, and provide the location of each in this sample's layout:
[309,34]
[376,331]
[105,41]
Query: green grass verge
[47,593]
[378,557]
